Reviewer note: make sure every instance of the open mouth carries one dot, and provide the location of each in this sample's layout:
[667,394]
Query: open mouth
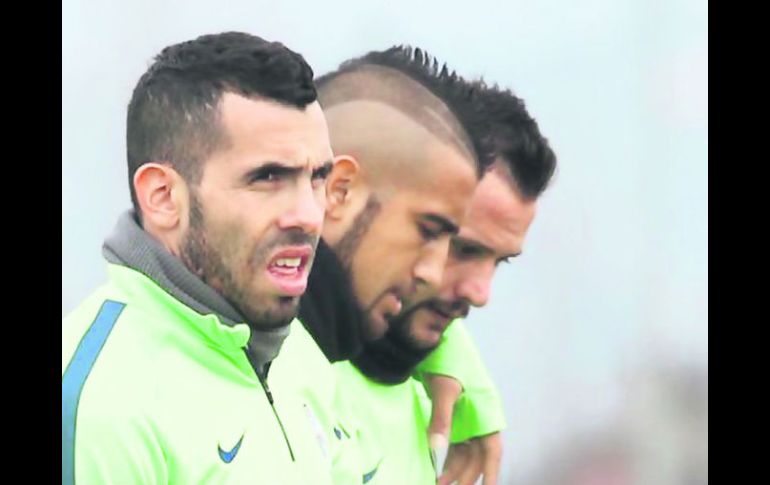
[288,269]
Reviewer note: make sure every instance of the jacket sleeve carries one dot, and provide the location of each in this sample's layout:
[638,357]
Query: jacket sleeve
[479,409]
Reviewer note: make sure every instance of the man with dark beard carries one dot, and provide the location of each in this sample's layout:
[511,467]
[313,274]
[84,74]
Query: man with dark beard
[389,404]
[164,367]
[410,145]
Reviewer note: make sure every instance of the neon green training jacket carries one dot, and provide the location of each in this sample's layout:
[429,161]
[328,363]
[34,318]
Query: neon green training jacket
[155,393]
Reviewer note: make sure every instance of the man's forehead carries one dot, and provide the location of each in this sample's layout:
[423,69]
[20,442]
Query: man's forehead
[243,115]
[497,197]
[234,106]
[278,132]
[442,203]
[498,217]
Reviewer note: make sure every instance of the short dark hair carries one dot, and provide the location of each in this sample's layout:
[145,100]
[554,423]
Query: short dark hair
[526,153]
[174,113]
[451,89]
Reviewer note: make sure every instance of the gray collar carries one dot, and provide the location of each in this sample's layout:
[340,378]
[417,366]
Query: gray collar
[129,245]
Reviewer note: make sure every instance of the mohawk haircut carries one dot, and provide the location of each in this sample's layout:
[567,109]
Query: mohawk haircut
[457,94]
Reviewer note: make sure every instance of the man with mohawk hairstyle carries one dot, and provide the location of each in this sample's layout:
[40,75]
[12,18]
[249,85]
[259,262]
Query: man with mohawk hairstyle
[388,398]
[411,144]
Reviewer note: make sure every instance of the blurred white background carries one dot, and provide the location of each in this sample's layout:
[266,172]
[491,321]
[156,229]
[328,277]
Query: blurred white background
[598,335]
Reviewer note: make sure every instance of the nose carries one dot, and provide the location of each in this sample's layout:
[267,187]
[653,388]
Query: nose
[474,287]
[306,212]
[429,268]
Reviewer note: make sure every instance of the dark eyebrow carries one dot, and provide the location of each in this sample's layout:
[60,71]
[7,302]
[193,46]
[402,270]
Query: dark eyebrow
[324,169]
[483,248]
[447,226]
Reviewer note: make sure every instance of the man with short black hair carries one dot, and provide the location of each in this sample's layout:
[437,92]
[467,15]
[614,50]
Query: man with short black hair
[164,368]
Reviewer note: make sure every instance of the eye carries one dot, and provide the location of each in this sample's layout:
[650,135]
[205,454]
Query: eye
[320,175]
[464,250]
[269,174]
[429,233]
[505,260]
[322,172]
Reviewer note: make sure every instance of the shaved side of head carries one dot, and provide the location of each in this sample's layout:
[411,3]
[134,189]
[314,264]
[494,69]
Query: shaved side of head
[387,109]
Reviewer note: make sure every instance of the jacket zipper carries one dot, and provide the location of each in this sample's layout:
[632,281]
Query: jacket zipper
[270,399]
